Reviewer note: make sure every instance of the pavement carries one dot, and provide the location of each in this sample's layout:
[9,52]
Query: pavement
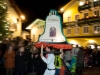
[91,71]
[86,71]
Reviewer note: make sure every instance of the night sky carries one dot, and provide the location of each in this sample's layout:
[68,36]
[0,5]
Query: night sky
[33,9]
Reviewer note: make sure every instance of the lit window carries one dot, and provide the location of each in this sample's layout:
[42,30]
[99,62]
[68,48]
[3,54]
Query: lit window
[76,17]
[96,29]
[76,30]
[86,29]
[96,12]
[68,31]
[69,19]
[86,15]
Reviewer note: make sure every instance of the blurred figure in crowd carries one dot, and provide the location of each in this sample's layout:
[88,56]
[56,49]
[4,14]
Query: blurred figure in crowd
[9,63]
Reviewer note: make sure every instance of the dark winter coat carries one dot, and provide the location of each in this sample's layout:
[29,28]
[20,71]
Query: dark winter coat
[43,66]
[33,63]
[30,62]
[21,62]
[36,64]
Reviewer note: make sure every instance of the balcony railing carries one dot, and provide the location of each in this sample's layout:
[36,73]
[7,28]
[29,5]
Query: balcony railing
[85,6]
[80,22]
[89,20]
[69,24]
[97,3]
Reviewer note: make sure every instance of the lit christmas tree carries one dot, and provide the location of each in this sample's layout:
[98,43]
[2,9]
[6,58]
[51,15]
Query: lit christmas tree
[4,25]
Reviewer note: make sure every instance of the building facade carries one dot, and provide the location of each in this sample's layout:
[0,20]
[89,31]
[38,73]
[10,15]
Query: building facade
[25,34]
[15,18]
[36,29]
[81,22]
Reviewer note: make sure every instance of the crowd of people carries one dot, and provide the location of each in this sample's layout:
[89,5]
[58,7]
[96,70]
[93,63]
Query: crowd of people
[18,58]
[91,57]
[23,58]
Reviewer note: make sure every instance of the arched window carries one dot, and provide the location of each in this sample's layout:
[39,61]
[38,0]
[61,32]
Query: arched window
[52,32]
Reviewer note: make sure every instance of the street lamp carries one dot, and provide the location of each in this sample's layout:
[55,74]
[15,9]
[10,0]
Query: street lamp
[22,17]
[81,3]
[62,10]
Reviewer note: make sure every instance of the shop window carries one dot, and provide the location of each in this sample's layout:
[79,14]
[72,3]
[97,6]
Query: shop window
[69,31]
[86,29]
[92,46]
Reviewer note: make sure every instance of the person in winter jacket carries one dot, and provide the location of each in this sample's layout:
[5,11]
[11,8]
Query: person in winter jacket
[9,57]
[58,64]
[21,61]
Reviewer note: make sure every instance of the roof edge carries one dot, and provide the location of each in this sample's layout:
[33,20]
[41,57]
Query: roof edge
[69,4]
[35,21]
[15,6]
